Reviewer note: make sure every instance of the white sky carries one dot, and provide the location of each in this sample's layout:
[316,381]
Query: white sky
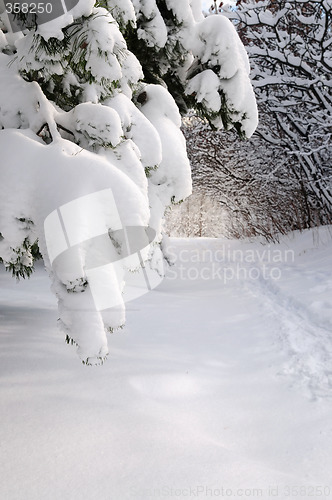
[206,4]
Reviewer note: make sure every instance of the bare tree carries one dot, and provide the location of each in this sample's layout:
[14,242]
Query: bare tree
[253,188]
[289,44]
[200,215]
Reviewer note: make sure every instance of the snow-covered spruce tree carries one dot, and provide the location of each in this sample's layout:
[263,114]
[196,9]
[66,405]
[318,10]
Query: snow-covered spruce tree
[91,142]
[289,45]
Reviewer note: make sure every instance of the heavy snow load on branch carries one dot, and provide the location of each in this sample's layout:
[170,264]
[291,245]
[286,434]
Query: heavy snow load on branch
[90,110]
[218,77]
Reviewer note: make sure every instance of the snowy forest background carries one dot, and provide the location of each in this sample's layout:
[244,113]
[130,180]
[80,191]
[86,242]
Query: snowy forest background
[280,180]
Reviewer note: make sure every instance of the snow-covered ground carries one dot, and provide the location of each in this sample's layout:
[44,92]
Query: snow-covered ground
[220,386]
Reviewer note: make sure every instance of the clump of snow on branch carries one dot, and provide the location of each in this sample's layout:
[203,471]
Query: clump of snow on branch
[153,29]
[216,44]
[54,28]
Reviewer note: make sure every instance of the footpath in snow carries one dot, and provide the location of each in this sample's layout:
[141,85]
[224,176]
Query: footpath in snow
[220,385]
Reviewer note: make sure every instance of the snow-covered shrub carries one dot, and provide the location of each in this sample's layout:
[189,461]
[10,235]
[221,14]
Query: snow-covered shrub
[91,143]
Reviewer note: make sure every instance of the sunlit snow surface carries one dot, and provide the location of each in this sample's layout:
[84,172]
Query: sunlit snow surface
[221,381]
